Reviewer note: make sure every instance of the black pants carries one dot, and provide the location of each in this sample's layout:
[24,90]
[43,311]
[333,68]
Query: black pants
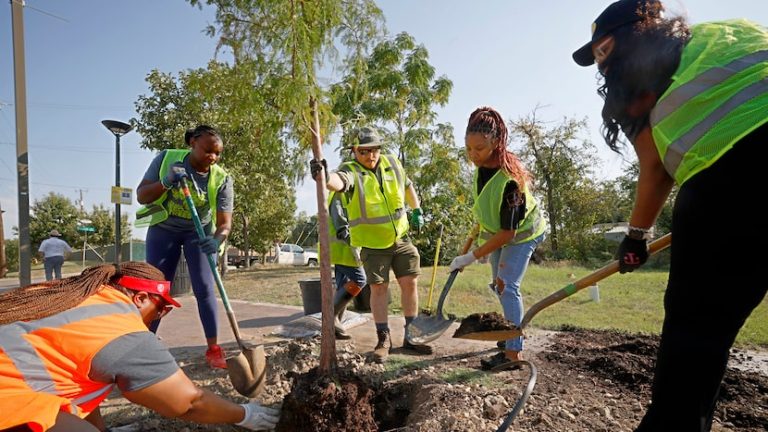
[715,225]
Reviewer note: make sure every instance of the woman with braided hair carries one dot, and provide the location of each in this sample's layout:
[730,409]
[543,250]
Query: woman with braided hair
[65,344]
[511,224]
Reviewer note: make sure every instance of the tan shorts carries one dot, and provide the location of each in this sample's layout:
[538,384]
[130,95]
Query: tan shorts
[402,257]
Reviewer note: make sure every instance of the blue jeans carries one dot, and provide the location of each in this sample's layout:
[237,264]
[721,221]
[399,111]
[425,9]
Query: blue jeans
[53,265]
[346,273]
[164,250]
[508,265]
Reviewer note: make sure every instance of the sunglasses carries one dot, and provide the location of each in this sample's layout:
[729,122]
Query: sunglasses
[365,152]
[162,307]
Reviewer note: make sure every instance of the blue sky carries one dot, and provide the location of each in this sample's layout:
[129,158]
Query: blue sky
[510,54]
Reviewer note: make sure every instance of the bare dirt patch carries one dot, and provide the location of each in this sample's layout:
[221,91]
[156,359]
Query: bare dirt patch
[587,381]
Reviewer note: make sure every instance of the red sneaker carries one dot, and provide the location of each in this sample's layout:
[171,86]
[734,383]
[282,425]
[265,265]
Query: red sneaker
[215,357]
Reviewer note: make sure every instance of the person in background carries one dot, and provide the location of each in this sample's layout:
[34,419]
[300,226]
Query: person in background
[378,191]
[54,251]
[64,346]
[347,266]
[511,223]
[171,226]
[693,103]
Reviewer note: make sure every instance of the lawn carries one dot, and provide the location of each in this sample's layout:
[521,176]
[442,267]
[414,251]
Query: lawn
[630,302]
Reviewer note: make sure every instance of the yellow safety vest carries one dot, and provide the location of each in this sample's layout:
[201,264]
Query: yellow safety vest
[171,202]
[376,210]
[719,95]
[341,252]
[487,210]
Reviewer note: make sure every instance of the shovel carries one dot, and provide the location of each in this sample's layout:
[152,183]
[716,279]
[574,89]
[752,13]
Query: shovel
[434,270]
[589,280]
[247,370]
[424,329]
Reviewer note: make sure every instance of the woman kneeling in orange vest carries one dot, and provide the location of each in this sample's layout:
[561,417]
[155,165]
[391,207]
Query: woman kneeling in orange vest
[65,344]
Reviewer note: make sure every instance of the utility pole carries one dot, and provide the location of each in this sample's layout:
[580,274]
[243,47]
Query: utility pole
[3,259]
[22,157]
[82,203]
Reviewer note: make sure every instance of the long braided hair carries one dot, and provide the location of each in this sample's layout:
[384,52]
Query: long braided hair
[38,301]
[488,122]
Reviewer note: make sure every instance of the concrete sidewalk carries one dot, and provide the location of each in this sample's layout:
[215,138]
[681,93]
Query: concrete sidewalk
[182,329]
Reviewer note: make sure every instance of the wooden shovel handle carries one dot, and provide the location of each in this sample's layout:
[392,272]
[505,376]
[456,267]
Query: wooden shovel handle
[589,280]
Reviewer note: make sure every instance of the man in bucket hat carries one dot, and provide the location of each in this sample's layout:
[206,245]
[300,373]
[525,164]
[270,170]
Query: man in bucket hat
[378,191]
[54,251]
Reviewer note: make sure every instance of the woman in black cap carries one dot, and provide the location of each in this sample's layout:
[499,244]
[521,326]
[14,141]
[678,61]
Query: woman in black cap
[693,102]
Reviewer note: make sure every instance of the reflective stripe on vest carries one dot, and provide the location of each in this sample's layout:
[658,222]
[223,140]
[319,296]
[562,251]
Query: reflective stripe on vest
[487,210]
[157,211]
[341,252]
[720,94]
[52,355]
[376,210]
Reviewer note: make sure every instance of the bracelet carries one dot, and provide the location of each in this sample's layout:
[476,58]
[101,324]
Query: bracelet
[166,187]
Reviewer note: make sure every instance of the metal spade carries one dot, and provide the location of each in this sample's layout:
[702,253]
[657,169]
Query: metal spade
[247,370]
[426,328]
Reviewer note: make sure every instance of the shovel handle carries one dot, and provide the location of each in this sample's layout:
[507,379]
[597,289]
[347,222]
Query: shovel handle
[434,268]
[444,293]
[212,263]
[589,280]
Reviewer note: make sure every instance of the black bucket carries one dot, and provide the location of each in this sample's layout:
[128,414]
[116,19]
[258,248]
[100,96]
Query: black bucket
[311,296]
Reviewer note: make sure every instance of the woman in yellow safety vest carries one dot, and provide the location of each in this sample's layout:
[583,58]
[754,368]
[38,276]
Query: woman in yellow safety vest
[170,223]
[693,101]
[511,224]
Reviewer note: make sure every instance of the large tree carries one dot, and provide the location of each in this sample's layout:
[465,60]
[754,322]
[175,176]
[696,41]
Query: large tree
[562,164]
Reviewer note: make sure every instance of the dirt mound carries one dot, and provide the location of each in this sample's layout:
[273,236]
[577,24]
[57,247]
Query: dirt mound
[587,381]
[483,322]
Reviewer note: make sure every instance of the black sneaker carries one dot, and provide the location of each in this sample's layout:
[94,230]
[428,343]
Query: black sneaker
[420,349]
[498,362]
[502,345]
[381,351]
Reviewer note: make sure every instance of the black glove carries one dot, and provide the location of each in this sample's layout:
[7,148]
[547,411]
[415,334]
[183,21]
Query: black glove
[343,234]
[632,254]
[315,166]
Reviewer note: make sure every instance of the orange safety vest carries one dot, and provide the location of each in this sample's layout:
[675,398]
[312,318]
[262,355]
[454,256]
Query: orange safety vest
[44,364]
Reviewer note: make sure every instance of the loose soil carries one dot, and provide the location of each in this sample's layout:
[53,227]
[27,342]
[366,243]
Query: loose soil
[587,381]
[483,322]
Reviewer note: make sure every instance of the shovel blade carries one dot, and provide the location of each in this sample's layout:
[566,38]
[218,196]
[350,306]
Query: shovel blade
[425,329]
[498,335]
[248,371]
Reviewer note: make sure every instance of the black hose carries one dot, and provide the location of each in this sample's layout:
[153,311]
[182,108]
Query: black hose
[523,398]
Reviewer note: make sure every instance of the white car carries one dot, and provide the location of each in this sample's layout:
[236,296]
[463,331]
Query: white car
[292,254]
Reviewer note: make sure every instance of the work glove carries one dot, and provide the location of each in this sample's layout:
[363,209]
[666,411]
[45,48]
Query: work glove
[462,261]
[343,234]
[209,245]
[315,166]
[259,418]
[632,254]
[417,220]
[176,172]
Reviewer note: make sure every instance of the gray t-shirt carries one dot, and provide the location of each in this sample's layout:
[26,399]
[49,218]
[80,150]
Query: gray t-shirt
[198,186]
[133,361]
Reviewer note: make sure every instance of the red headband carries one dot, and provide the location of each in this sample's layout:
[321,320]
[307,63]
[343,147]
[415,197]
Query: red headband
[161,288]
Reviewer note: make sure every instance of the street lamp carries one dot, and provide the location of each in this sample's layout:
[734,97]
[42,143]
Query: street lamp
[119,129]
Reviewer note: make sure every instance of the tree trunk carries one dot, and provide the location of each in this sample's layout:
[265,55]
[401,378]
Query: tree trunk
[327,335]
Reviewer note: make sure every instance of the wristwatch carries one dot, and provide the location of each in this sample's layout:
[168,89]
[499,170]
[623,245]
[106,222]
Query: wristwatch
[636,233]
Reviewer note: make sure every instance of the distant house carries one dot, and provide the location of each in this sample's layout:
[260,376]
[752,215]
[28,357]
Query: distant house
[611,231]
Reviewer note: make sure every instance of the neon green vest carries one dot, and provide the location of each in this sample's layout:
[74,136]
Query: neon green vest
[487,211]
[173,203]
[718,96]
[341,252]
[377,211]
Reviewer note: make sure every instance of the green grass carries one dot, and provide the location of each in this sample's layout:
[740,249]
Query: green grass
[631,302]
[68,267]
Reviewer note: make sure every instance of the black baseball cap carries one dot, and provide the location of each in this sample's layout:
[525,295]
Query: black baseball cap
[618,14]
